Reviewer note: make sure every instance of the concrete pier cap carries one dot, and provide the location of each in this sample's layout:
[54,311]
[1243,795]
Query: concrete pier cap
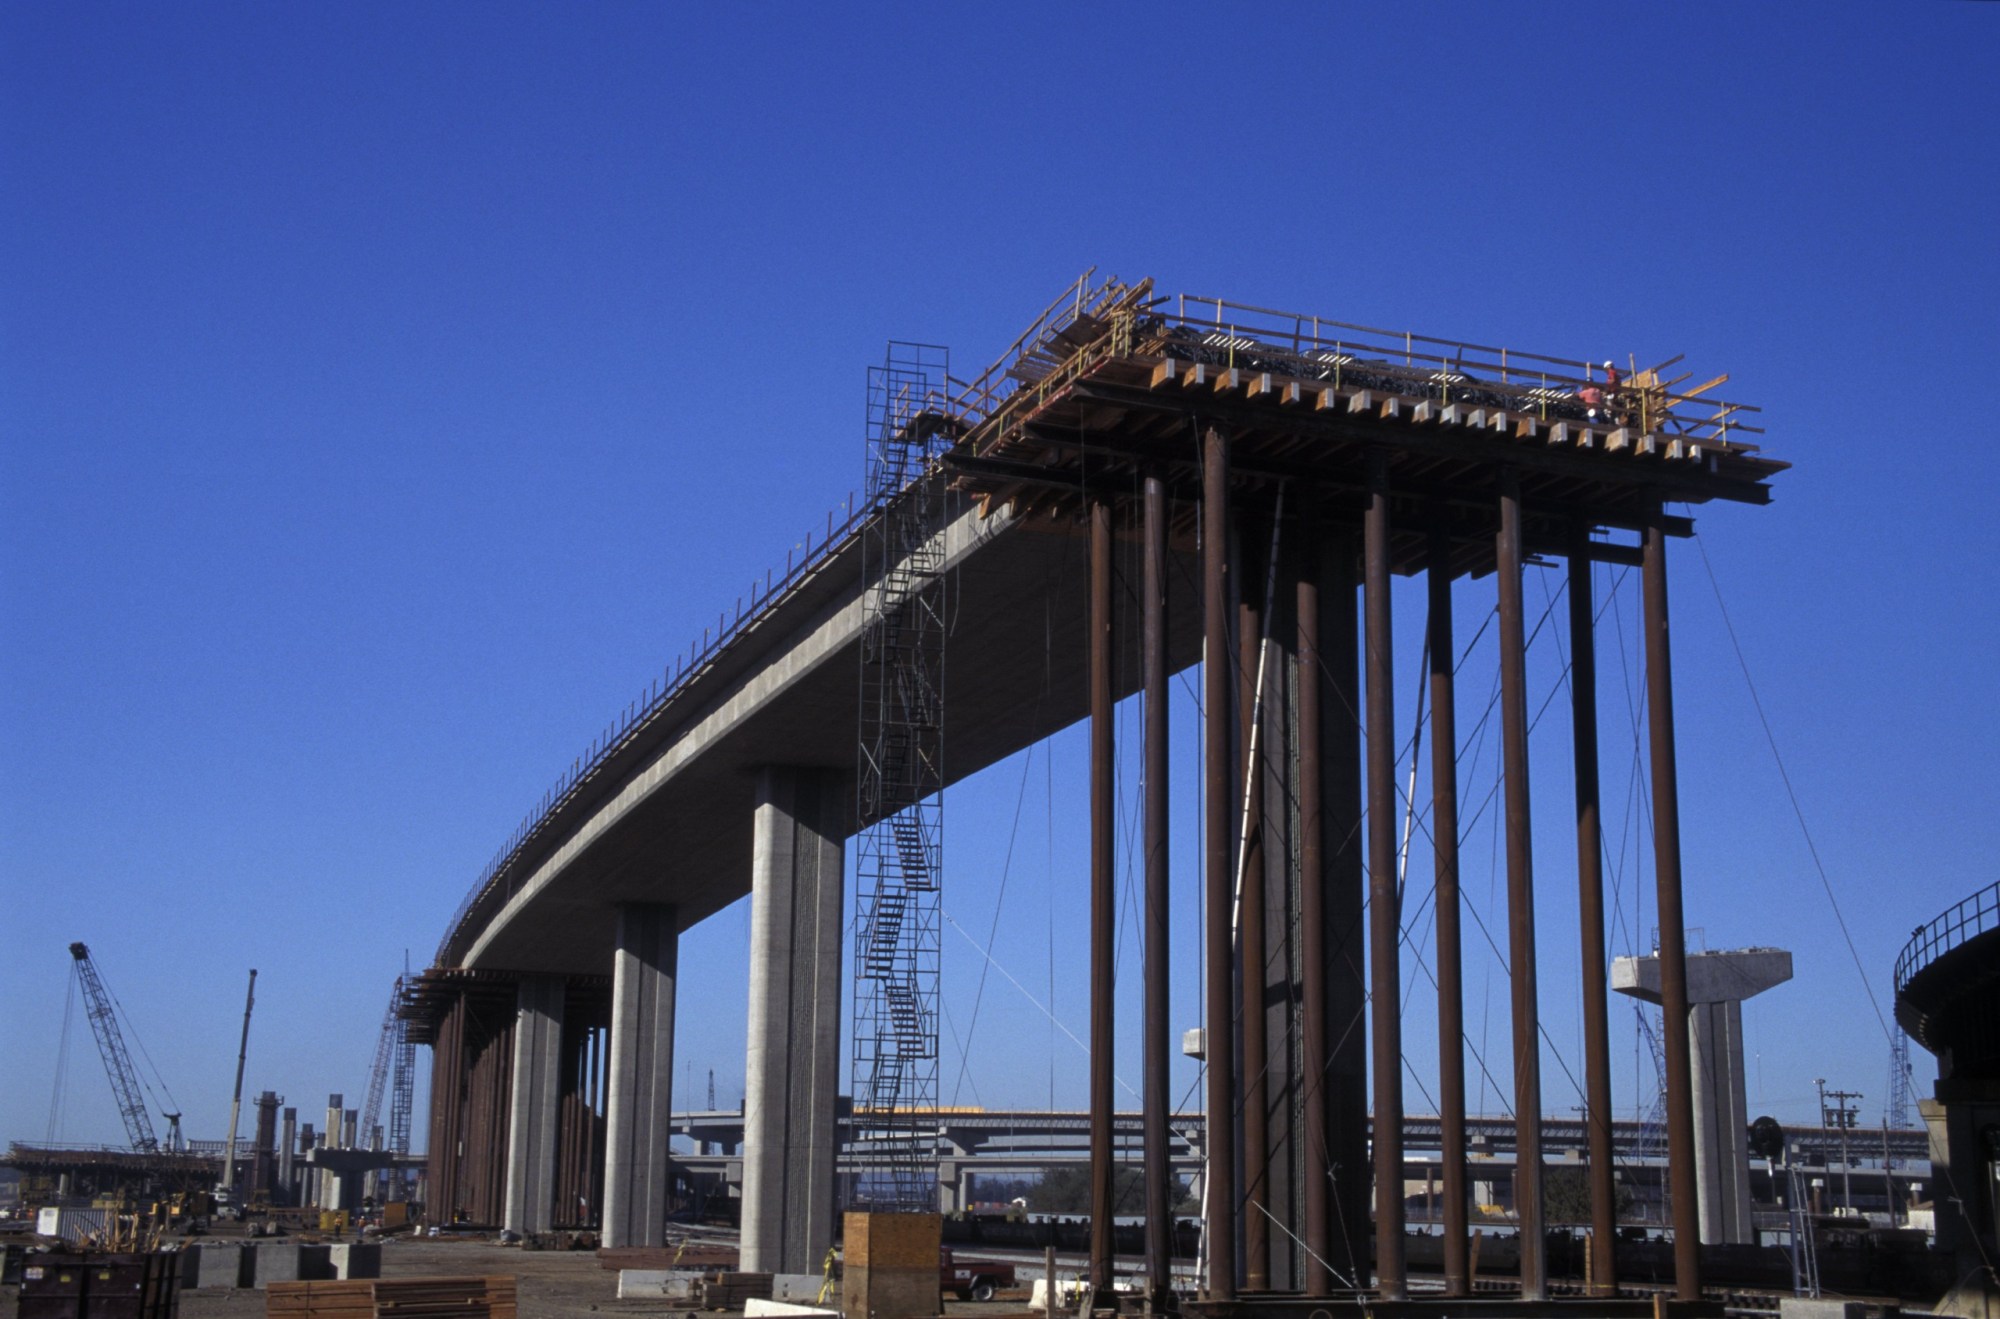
[1720,977]
[1717,984]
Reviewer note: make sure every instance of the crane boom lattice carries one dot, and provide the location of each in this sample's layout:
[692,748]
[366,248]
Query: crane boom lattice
[378,1072]
[394,1073]
[117,1062]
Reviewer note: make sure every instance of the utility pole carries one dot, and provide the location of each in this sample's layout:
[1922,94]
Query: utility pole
[1841,1115]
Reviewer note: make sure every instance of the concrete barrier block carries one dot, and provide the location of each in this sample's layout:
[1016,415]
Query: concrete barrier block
[656,1284]
[1068,1292]
[800,1288]
[757,1306]
[1818,1307]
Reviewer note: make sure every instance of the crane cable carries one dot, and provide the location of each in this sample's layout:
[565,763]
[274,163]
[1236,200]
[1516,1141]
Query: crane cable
[58,1095]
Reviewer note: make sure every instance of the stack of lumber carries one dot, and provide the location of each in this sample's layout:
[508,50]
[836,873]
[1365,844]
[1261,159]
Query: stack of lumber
[688,1255]
[729,1291]
[393,1298]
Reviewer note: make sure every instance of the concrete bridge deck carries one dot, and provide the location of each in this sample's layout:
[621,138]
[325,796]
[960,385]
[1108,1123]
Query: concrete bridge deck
[666,819]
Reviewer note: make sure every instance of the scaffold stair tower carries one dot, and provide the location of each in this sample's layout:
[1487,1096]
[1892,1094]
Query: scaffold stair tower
[899,849]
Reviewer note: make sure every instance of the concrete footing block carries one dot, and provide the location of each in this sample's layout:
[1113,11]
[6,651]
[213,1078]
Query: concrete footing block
[292,1262]
[358,1259]
[215,1264]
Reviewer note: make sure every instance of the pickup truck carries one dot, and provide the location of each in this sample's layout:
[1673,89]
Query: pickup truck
[973,1279]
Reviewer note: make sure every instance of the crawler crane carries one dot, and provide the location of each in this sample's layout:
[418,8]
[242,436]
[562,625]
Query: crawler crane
[117,1062]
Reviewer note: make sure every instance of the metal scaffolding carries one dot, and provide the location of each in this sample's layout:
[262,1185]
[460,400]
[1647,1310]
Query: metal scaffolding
[899,849]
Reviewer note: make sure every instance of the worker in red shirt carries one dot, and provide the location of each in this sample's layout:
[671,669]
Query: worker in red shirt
[1591,397]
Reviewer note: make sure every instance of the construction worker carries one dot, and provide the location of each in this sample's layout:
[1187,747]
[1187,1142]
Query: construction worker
[1592,399]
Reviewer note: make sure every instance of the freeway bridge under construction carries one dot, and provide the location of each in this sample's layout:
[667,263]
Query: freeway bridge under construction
[1137,482]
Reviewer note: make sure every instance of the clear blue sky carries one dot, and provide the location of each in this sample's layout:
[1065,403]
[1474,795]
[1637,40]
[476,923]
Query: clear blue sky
[387,392]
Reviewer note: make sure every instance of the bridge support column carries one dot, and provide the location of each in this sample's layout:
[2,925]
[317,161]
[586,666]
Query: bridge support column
[791,1075]
[1681,1183]
[1218,886]
[531,1131]
[1450,959]
[1520,898]
[1384,909]
[639,1095]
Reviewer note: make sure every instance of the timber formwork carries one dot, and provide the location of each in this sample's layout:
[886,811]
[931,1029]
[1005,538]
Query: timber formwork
[1306,462]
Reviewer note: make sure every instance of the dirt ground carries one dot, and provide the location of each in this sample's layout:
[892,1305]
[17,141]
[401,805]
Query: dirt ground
[550,1285]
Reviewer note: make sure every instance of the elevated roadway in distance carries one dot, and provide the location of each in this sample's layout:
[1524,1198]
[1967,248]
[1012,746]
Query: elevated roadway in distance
[1024,1135]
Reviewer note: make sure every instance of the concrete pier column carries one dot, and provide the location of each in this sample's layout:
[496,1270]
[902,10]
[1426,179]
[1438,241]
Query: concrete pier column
[792,1071]
[951,1185]
[288,1143]
[1717,984]
[531,1130]
[308,1188]
[639,1090]
[330,1191]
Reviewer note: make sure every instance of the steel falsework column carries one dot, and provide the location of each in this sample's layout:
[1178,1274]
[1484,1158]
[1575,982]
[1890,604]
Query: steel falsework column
[1319,1249]
[1450,963]
[1219,1047]
[1251,567]
[1673,937]
[1158,951]
[1521,899]
[1384,912]
[1103,917]
[1344,843]
[1590,918]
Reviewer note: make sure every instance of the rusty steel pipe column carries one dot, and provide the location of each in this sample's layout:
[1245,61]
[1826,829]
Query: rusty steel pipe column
[1521,900]
[1590,918]
[1384,913]
[1249,829]
[1158,951]
[1219,1048]
[1103,919]
[1673,936]
[1450,962]
[1312,929]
